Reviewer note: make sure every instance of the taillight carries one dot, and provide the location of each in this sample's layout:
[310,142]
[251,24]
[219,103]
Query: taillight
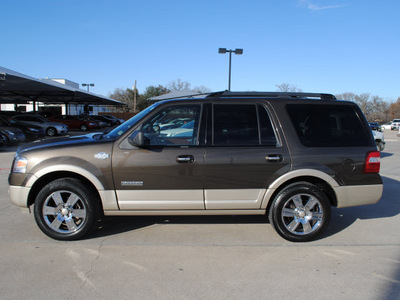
[372,162]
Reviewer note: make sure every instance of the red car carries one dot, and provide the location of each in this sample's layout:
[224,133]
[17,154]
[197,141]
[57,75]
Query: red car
[74,123]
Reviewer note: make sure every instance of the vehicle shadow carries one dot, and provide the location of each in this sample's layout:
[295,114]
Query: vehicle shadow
[386,154]
[342,218]
[115,225]
[388,206]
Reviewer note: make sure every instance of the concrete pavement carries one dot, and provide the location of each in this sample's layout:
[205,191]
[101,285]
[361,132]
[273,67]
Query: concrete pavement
[207,257]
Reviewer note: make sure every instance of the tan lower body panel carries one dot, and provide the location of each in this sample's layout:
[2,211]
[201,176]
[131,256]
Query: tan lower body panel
[160,199]
[183,212]
[357,195]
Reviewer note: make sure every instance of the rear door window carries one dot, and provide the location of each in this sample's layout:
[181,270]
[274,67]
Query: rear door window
[242,125]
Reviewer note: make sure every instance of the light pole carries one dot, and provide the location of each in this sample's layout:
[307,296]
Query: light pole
[88,85]
[236,51]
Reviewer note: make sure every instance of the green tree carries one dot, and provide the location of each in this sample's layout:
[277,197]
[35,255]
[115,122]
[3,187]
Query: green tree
[150,91]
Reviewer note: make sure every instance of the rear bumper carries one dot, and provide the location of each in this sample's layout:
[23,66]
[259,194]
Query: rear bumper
[357,195]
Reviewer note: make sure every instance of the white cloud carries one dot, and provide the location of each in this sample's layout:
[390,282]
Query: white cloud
[312,6]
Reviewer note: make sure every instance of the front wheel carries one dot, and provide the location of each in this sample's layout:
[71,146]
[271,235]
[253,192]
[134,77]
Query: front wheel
[65,209]
[51,131]
[300,212]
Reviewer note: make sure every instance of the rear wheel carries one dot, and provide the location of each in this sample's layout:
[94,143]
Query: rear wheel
[381,146]
[65,209]
[300,212]
[84,127]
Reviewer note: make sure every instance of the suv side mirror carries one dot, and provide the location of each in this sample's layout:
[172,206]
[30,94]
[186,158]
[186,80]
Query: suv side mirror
[138,139]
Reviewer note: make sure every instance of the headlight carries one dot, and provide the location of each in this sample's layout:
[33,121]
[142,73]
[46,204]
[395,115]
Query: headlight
[9,132]
[32,129]
[20,164]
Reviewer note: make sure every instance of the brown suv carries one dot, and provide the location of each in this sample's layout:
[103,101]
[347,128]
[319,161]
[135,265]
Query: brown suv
[289,156]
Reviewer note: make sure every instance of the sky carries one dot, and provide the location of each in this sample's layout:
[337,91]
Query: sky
[330,46]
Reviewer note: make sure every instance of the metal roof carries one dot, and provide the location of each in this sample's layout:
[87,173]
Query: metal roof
[178,94]
[20,88]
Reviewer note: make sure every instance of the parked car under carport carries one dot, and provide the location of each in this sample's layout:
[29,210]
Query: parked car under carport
[74,123]
[13,135]
[32,132]
[51,128]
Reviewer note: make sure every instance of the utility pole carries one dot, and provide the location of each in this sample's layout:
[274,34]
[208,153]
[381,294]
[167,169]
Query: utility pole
[134,98]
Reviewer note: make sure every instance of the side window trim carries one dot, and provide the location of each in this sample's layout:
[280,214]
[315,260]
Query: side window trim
[272,122]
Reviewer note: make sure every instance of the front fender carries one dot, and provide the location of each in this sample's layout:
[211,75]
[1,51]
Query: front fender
[65,168]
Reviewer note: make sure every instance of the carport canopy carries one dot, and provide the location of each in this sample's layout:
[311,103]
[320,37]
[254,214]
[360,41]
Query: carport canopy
[17,88]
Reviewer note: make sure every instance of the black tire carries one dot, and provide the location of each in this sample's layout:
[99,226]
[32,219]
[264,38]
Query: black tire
[84,127]
[300,212]
[66,210]
[381,147]
[51,131]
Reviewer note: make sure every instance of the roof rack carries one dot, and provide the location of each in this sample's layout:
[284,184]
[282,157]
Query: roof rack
[273,95]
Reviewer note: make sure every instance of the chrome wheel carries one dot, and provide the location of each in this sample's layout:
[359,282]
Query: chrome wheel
[302,214]
[67,209]
[64,212]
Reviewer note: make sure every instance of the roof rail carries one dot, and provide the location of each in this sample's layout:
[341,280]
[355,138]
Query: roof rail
[273,95]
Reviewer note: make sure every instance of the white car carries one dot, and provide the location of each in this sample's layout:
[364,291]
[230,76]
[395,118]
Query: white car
[51,128]
[379,140]
[387,126]
[395,124]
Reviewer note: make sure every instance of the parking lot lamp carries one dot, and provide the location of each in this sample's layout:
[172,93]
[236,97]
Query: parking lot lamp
[88,85]
[236,51]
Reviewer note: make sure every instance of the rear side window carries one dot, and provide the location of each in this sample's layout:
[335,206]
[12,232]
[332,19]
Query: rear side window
[242,125]
[328,125]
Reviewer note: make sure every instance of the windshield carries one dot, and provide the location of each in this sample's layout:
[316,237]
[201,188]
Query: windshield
[118,131]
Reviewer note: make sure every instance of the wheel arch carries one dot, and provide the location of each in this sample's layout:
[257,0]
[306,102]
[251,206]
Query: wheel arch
[319,179]
[45,179]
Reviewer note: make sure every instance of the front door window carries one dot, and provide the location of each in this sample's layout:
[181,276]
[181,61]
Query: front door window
[174,126]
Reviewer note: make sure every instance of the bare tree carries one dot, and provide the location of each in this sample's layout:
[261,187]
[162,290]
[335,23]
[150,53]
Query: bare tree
[373,107]
[125,96]
[394,110]
[201,89]
[178,85]
[287,87]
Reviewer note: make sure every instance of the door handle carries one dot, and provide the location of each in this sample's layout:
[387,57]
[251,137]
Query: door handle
[188,159]
[274,158]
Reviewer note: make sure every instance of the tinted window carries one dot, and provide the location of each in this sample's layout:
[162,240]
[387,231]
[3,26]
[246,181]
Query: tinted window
[235,125]
[173,125]
[328,125]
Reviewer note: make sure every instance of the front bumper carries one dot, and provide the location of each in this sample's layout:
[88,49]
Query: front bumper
[18,195]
